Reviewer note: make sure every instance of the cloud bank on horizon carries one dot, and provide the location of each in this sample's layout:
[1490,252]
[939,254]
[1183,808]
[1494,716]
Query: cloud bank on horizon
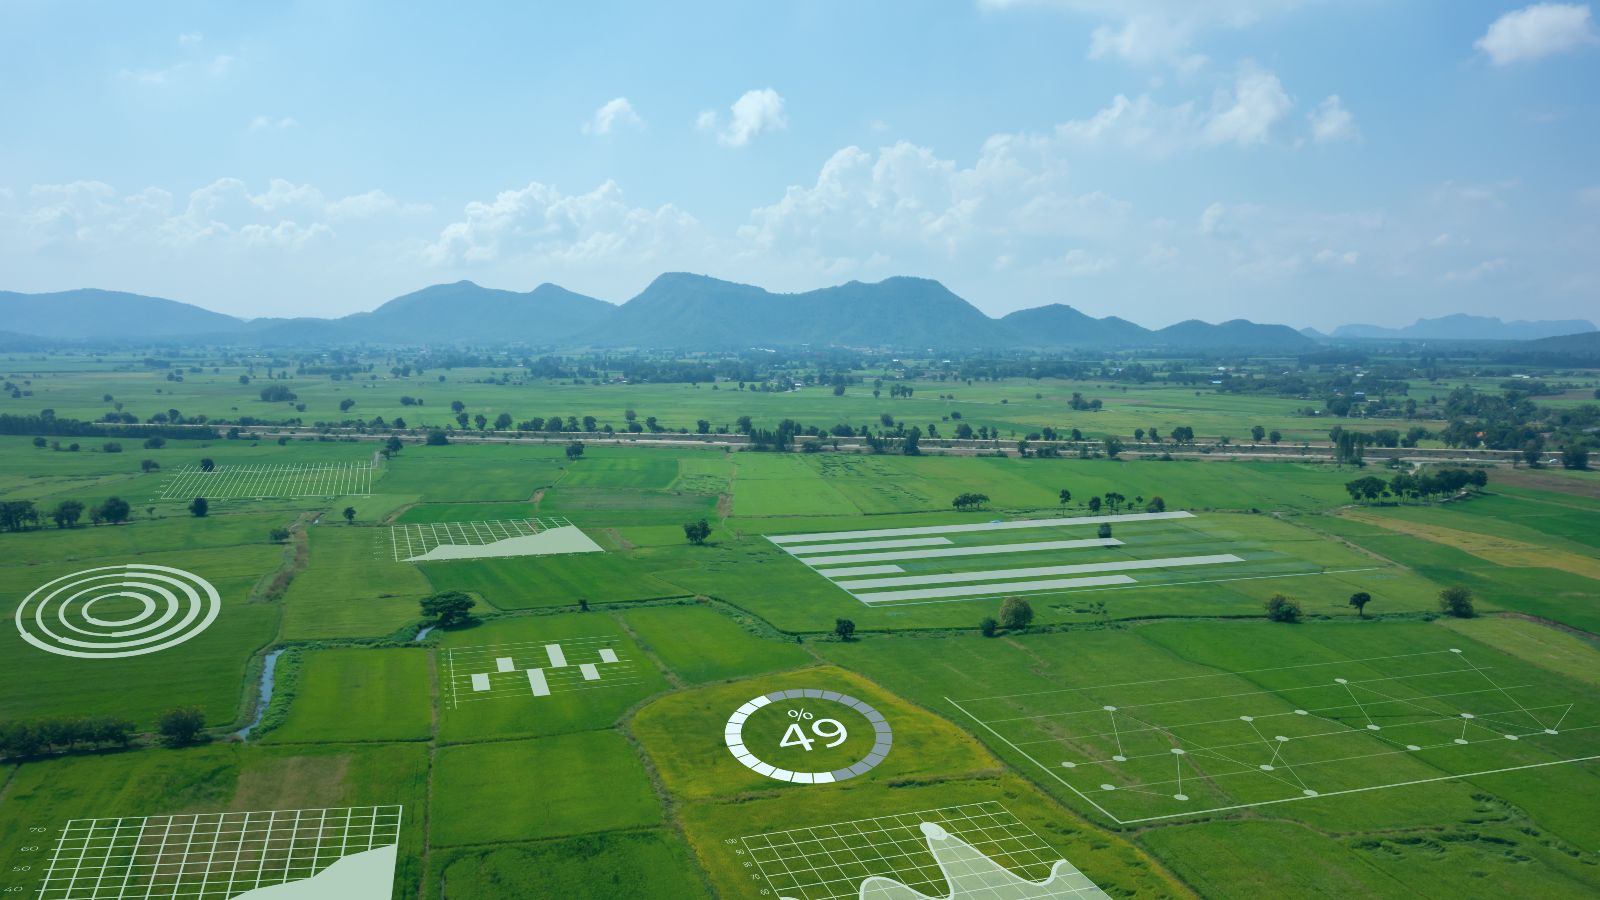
[1287,160]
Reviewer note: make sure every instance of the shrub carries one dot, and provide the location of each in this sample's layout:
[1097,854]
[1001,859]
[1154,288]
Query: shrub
[1457,601]
[988,626]
[1015,613]
[182,725]
[1283,608]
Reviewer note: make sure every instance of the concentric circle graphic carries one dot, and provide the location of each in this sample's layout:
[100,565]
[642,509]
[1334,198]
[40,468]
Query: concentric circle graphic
[89,615]
[882,738]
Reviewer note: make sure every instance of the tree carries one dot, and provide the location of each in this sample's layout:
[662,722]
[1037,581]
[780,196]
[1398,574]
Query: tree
[969,501]
[182,726]
[1457,601]
[1359,600]
[480,420]
[114,510]
[697,532]
[1094,504]
[349,515]
[199,507]
[1274,436]
[844,628]
[1105,530]
[393,445]
[1156,504]
[502,422]
[155,443]
[1015,613]
[574,451]
[345,404]
[437,438]
[207,465]
[278,535]
[448,608]
[743,424]
[1283,608]
[1575,456]
[1368,488]
[1257,433]
[67,513]
[910,445]
[1113,447]
[456,406]
[1065,496]
[148,465]
[988,626]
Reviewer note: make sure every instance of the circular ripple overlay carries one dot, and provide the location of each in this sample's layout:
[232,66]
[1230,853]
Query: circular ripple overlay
[67,616]
[733,735]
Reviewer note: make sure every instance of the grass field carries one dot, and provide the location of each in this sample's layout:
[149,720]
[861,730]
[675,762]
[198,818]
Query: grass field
[616,778]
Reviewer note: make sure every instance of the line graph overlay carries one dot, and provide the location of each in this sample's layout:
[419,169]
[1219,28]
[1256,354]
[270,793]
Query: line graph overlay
[223,855]
[266,482]
[886,856]
[539,668]
[495,537]
[1166,748]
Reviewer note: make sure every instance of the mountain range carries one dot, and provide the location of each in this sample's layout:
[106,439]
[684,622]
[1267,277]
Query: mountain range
[1462,327]
[676,311]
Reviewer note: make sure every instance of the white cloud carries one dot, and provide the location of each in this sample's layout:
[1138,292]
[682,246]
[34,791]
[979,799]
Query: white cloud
[540,223]
[755,112]
[1080,263]
[1476,273]
[1537,31]
[614,114]
[372,203]
[1146,40]
[1247,114]
[1331,122]
[272,123]
[1155,32]
[191,38]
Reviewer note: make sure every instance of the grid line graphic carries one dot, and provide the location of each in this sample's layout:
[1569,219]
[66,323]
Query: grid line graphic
[416,539]
[210,856]
[1164,748]
[268,482]
[831,862]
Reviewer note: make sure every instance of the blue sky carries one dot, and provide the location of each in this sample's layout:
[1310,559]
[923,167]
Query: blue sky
[1313,162]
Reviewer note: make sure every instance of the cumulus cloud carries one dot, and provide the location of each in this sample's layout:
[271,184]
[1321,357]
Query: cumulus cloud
[755,112]
[1148,39]
[613,115]
[1537,31]
[540,223]
[1152,32]
[1330,121]
[1247,115]
[226,211]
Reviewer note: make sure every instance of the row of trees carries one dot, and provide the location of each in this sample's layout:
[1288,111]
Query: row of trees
[22,515]
[1455,601]
[21,740]
[1439,482]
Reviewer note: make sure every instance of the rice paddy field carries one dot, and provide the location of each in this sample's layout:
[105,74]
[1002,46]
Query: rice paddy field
[661,718]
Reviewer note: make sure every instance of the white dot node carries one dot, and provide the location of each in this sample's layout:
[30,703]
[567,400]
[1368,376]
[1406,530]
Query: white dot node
[1180,796]
[1301,712]
[1069,765]
[1280,738]
[1413,747]
[1108,787]
[1178,751]
[1512,737]
[1461,740]
[1371,727]
[1551,731]
[1109,708]
[1309,792]
[1342,680]
[1119,758]
[1468,716]
[1247,718]
[1266,767]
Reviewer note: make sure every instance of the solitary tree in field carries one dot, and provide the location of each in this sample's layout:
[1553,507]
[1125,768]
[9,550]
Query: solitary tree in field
[1257,433]
[182,726]
[1282,608]
[114,510]
[1457,601]
[1359,600]
[349,515]
[1016,613]
[199,507]
[456,406]
[1065,496]
[988,626]
[1105,530]
[844,628]
[697,532]
[448,608]
[278,534]
[206,464]
[393,445]
[574,451]
[1156,504]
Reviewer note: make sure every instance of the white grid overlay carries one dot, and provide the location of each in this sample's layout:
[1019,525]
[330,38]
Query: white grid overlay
[409,541]
[269,482]
[463,663]
[1156,749]
[831,861]
[208,855]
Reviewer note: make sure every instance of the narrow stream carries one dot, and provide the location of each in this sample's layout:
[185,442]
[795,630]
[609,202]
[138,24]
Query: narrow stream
[268,669]
[423,633]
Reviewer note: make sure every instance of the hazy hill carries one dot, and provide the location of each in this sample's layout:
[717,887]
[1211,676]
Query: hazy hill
[1584,344]
[466,312]
[697,311]
[1462,327]
[1239,334]
[89,314]
[1059,325]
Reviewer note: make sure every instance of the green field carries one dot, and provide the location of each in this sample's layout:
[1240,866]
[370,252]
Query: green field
[571,739]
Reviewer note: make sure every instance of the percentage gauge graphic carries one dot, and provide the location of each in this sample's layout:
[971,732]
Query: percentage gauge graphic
[883,737]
